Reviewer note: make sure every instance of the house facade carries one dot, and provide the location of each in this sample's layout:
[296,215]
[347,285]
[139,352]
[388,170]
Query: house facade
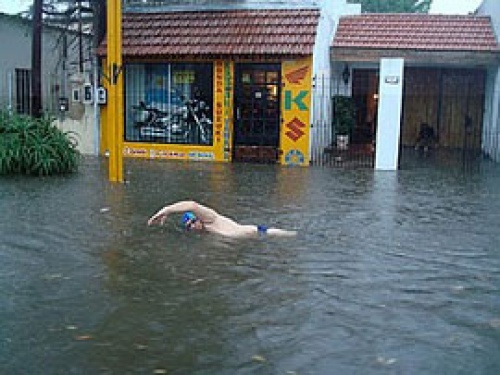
[251,83]
[225,83]
[64,74]
[446,62]
[218,85]
[15,65]
[211,84]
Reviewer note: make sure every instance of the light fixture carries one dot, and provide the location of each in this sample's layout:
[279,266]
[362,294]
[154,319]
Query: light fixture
[346,74]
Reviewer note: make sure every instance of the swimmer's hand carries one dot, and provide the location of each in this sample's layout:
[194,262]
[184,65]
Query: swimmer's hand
[159,217]
[206,214]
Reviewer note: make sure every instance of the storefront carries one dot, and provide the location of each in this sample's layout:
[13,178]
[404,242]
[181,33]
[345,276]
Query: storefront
[446,60]
[238,99]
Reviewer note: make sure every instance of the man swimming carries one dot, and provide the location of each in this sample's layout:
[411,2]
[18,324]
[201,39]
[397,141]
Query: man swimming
[201,218]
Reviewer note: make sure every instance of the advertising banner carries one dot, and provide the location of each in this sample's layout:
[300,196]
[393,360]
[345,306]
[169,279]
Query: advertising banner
[296,105]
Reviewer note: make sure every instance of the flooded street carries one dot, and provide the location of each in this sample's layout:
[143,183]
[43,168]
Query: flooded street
[391,273]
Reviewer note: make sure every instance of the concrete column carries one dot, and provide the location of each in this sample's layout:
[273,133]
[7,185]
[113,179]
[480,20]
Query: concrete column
[389,114]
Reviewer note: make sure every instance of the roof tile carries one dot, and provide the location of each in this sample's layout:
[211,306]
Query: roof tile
[232,32]
[416,32]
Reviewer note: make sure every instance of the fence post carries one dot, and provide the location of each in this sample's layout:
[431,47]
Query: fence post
[10,92]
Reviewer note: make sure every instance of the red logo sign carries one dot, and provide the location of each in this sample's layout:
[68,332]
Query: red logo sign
[295,76]
[295,132]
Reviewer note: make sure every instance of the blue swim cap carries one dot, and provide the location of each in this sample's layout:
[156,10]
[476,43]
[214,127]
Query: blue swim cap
[187,217]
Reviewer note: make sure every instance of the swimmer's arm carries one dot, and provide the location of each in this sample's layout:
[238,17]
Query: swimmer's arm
[206,214]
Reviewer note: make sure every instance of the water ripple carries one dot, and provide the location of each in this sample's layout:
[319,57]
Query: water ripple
[390,273]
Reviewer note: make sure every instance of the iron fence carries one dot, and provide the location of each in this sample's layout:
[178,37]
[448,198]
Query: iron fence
[461,138]
[328,146]
[15,91]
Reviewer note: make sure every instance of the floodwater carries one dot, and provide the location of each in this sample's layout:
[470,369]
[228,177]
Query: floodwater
[391,273]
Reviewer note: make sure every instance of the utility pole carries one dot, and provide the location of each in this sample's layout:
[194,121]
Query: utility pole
[80,37]
[36,60]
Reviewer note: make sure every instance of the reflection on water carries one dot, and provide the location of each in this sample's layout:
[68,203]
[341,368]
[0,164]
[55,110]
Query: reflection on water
[390,273]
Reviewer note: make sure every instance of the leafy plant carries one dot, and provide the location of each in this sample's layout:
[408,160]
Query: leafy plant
[34,146]
[344,114]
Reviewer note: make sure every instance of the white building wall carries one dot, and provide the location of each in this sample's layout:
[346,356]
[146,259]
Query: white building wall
[491,125]
[491,8]
[80,118]
[325,77]
[15,43]
[82,130]
[389,114]
[175,5]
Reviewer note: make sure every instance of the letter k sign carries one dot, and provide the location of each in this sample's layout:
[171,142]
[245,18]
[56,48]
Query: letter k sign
[298,100]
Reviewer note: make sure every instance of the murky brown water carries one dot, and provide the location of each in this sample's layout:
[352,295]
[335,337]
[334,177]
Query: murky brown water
[391,272]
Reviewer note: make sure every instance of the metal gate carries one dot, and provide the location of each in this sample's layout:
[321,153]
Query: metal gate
[442,115]
[15,91]
[341,135]
[450,101]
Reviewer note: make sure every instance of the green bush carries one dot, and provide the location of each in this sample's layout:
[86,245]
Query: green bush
[344,114]
[34,146]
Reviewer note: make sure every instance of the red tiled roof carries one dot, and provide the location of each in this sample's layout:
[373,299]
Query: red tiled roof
[210,33]
[416,32]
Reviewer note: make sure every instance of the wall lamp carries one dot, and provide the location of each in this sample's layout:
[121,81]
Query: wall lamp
[346,74]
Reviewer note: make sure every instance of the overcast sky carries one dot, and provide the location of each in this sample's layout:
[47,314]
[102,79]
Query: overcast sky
[453,6]
[14,6]
[438,6]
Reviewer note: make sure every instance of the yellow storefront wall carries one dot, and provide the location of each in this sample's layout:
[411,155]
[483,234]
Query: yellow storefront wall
[296,103]
[222,122]
[294,133]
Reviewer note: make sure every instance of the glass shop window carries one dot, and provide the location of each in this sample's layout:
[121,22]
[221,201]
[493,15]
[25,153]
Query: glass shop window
[169,103]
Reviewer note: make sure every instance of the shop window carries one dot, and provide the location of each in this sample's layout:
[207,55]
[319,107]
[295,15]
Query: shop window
[169,103]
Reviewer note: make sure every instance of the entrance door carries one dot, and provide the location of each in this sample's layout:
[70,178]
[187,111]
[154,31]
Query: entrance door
[257,112]
[365,96]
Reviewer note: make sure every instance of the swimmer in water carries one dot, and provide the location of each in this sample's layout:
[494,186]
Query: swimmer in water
[200,218]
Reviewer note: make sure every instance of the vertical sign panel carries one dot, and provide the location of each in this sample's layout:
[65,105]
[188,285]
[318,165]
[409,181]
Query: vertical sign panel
[296,105]
[223,88]
[218,109]
[228,109]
